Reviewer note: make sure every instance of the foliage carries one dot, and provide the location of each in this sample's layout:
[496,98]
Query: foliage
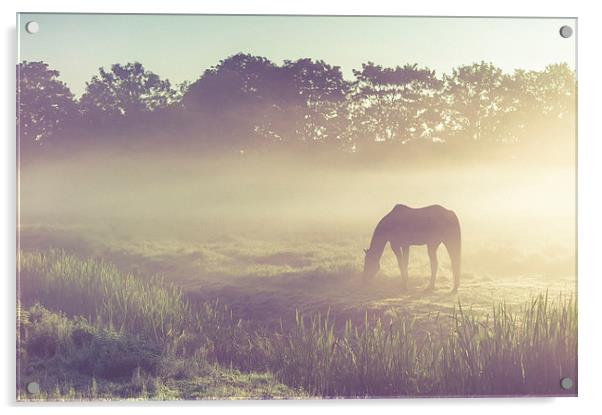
[244,95]
[321,113]
[474,94]
[248,101]
[45,105]
[396,104]
[73,360]
[92,350]
[124,92]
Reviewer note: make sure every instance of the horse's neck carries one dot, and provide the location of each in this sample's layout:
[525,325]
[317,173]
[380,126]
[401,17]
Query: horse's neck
[379,240]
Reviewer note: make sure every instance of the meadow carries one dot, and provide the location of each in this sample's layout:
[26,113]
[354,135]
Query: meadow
[154,278]
[290,333]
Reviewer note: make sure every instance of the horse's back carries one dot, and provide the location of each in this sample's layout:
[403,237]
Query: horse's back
[431,211]
[422,225]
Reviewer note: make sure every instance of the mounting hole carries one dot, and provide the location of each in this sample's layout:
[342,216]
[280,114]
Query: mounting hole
[566,31]
[32,27]
[33,388]
[566,383]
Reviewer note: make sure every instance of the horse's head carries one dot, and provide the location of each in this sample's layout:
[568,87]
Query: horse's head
[371,264]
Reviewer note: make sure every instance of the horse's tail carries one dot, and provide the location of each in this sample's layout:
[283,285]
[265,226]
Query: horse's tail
[453,243]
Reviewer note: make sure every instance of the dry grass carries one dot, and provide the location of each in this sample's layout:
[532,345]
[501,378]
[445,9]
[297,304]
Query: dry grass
[525,350]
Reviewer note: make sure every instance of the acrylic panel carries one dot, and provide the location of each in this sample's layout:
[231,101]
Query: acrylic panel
[295,207]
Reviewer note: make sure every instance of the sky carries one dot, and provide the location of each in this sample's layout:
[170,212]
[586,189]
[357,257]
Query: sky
[181,47]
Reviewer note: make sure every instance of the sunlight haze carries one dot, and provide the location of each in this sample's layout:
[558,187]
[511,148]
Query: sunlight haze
[181,47]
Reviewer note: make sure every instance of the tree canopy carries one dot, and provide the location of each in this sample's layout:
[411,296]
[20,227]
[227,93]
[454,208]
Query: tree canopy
[246,100]
[45,105]
[124,91]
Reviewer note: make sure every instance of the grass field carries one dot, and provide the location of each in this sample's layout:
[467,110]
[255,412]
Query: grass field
[247,318]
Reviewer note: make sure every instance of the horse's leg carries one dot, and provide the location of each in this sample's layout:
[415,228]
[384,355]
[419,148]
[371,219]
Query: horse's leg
[454,249]
[432,249]
[403,264]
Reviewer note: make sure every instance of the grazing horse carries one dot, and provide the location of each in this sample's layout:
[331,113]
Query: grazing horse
[405,226]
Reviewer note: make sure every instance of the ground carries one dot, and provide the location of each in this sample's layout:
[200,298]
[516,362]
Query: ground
[265,280]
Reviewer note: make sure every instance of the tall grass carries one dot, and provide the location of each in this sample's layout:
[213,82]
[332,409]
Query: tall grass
[503,352]
[368,359]
[72,359]
[96,289]
[525,352]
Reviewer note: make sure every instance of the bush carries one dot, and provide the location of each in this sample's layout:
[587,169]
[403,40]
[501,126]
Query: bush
[52,340]
[73,360]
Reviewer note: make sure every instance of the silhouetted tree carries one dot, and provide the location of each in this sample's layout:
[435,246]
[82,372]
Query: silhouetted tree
[555,92]
[395,104]
[532,101]
[242,97]
[247,100]
[473,95]
[321,111]
[44,103]
[517,106]
[124,92]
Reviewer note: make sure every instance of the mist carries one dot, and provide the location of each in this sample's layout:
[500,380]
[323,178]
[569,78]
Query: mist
[514,214]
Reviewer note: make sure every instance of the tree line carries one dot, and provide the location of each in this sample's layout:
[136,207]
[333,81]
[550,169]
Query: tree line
[247,101]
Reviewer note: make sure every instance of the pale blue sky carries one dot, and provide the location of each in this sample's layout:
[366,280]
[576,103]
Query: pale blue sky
[181,47]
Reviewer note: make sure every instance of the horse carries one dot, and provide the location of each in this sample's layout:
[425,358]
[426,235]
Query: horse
[405,226]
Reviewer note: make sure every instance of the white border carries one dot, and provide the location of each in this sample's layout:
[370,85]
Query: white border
[590,209]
